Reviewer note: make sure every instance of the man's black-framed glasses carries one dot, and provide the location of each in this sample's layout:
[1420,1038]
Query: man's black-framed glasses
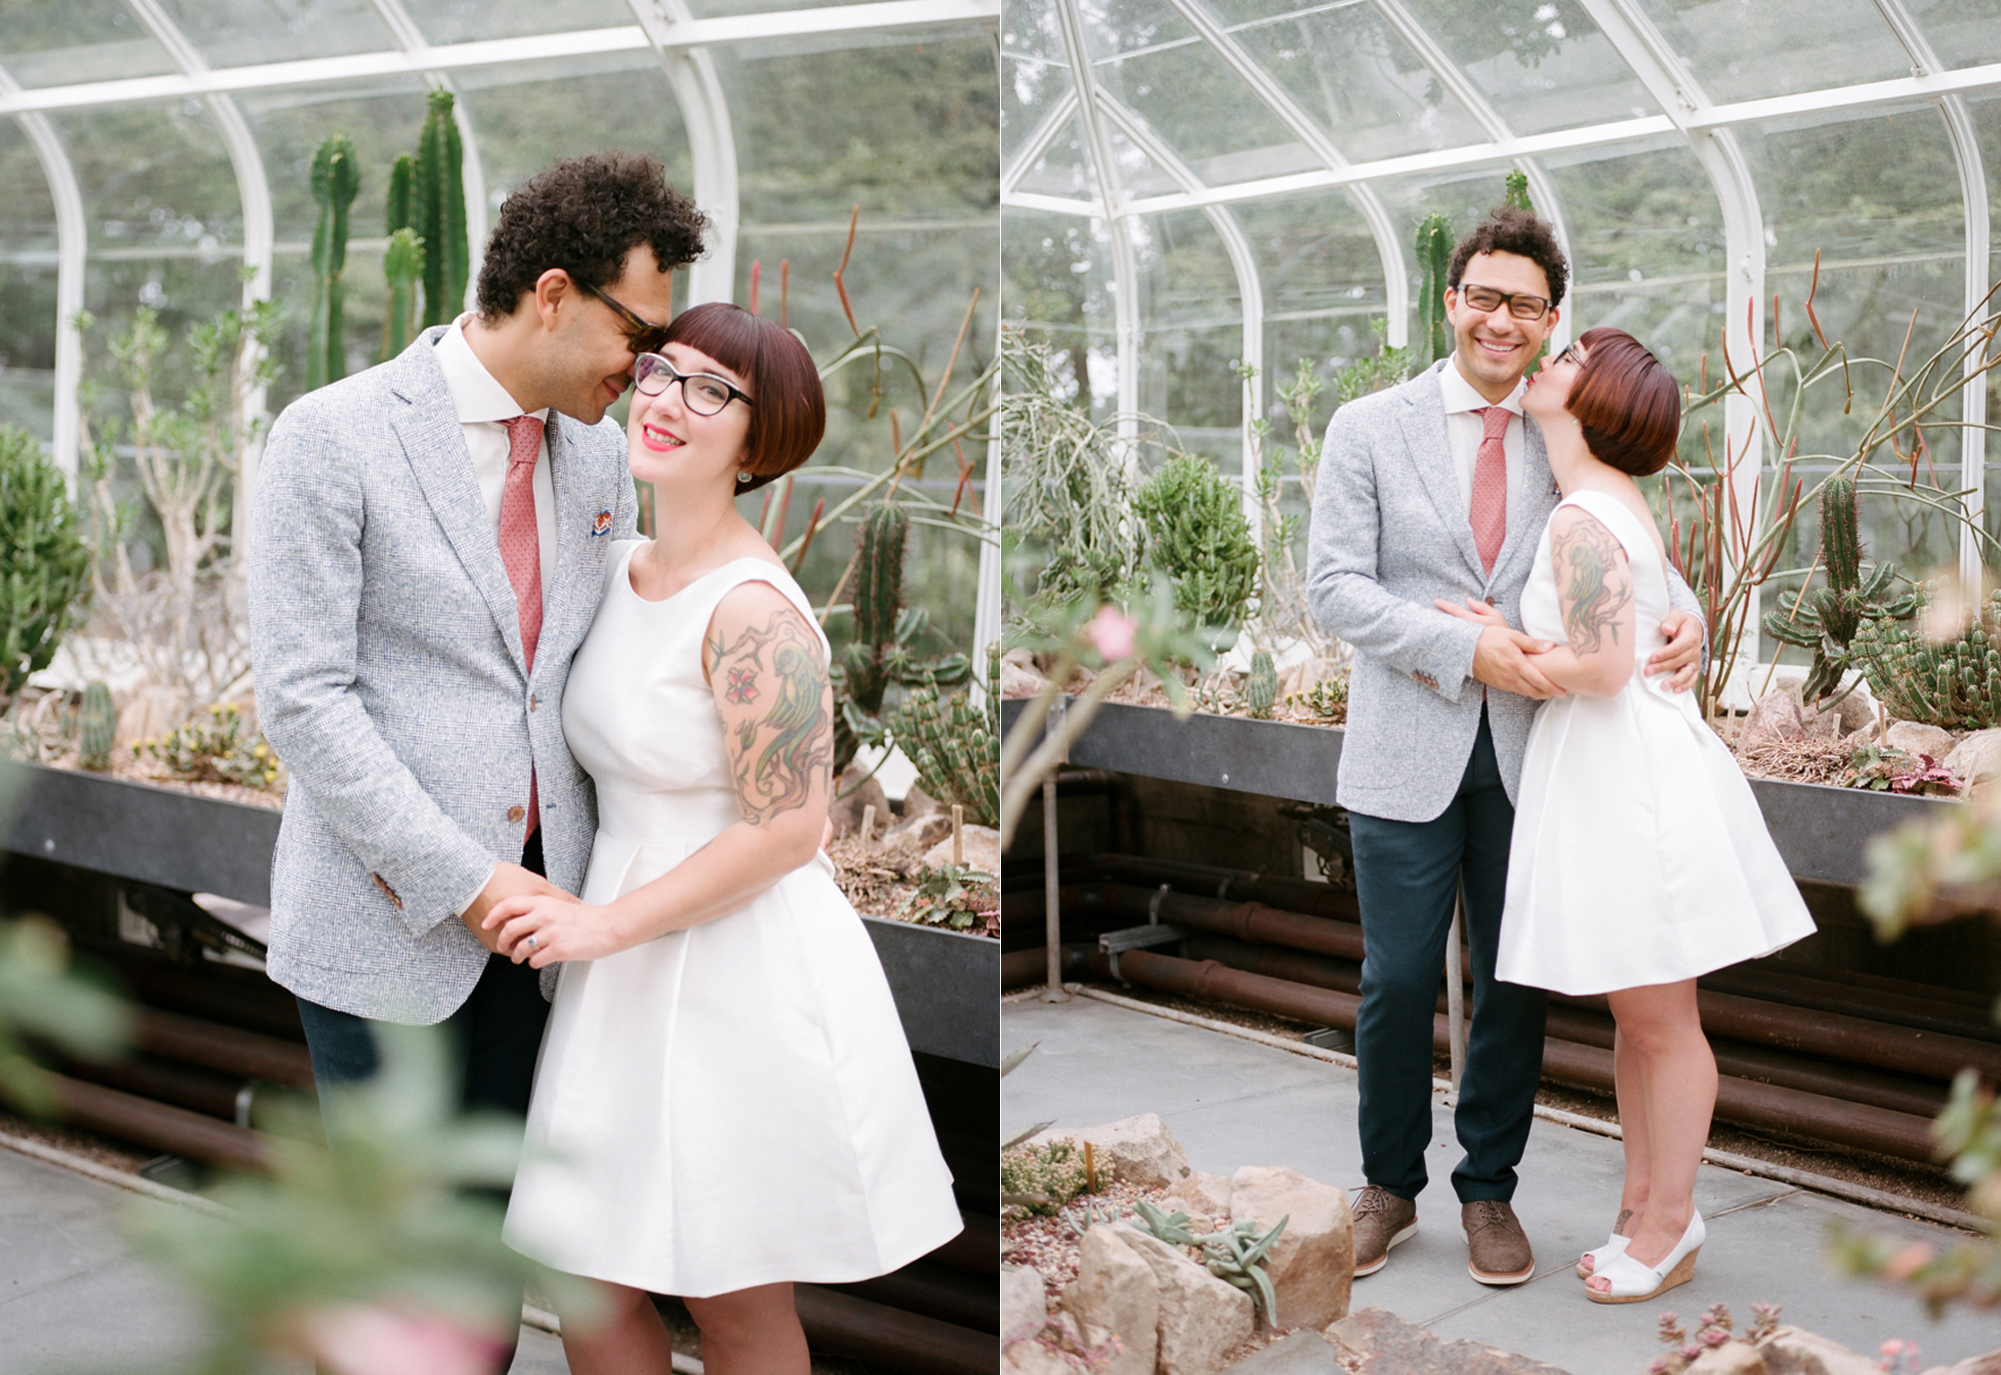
[1485,298]
[704,393]
[643,335]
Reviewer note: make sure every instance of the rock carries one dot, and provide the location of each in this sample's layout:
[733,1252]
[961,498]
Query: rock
[919,833]
[1775,716]
[1024,1304]
[1035,1358]
[1115,1291]
[1792,1351]
[1990,1364]
[1376,1342]
[1205,1197]
[1201,1317]
[846,812]
[1312,1264]
[1731,1358]
[1857,709]
[918,803]
[1913,738]
[1976,761]
[979,844]
[1139,1150]
[1305,1352]
[1820,725]
[1019,681]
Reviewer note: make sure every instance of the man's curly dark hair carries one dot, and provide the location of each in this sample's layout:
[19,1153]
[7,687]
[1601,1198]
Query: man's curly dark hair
[1509,229]
[584,215]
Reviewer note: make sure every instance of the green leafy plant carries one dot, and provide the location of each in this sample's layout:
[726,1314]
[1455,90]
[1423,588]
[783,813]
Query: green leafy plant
[1196,534]
[1235,1255]
[1326,699]
[335,179]
[955,745]
[43,998]
[1517,193]
[1883,768]
[44,560]
[438,210]
[942,897]
[1041,1177]
[1953,683]
[1825,619]
[214,751]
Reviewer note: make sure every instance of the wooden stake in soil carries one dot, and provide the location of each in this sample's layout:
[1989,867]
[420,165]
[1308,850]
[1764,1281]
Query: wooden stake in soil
[868,824]
[958,833]
[1090,1171]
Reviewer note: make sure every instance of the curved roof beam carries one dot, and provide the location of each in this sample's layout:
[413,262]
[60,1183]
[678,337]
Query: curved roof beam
[705,113]
[1973,194]
[1125,275]
[1647,52]
[72,239]
[1302,126]
[472,172]
[1250,288]
[1491,124]
[1038,141]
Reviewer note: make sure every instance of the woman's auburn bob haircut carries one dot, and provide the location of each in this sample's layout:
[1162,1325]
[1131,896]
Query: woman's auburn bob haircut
[788,412]
[1627,403]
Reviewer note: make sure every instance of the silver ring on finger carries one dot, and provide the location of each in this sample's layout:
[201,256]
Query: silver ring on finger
[534,943]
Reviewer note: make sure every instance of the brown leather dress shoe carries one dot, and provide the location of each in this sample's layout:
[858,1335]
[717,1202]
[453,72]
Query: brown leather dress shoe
[1381,1221]
[1499,1247]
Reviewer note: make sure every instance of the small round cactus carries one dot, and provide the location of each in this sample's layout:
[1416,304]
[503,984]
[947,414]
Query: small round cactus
[97,728]
[1261,688]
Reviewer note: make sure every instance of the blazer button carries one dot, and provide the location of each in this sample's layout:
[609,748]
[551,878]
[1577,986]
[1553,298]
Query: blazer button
[533,701]
[516,812]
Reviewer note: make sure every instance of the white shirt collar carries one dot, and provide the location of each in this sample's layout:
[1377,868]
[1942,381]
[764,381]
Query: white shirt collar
[1460,396]
[476,395]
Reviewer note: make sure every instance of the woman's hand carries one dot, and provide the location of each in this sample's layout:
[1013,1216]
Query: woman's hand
[1476,611]
[544,930]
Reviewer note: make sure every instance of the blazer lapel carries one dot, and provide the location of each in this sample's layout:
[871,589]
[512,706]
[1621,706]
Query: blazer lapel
[1430,450]
[434,444]
[575,520]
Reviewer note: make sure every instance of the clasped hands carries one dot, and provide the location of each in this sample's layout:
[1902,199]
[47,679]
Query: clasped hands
[1504,658]
[518,906]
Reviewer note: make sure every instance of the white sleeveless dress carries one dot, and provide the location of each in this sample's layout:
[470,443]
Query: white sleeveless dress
[733,1104]
[1639,854]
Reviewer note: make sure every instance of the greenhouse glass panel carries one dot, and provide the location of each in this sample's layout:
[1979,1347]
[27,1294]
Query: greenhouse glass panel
[1351,73]
[468,21]
[1030,88]
[1740,51]
[1541,64]
[1064,169]
[245,33]
[27,288]
[709,9]
[76,42]
[1056,286]
[1986,113]
[1963,33]
[526,117]
[1322,281]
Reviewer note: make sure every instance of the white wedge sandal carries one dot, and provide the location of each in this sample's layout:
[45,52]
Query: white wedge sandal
[1632,1282]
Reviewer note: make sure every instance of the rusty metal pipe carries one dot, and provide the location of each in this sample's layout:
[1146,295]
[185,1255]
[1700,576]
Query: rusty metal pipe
[1020,967]
[225,1048]
[158,1125]
[1235,885]
[184,1086]
[839,1324]
[1764,1106]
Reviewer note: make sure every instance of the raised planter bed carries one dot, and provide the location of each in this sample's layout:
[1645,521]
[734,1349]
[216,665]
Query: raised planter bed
[1821,831]
[945,983]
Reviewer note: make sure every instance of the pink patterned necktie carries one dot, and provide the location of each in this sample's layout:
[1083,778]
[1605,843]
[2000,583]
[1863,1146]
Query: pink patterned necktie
[521,550]
[1489,513]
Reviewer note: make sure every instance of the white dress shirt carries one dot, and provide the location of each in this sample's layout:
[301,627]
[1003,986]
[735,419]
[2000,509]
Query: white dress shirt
[1465,429]
[482,403]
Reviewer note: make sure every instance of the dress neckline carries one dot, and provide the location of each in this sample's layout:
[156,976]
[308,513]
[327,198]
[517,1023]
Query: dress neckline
[625,576]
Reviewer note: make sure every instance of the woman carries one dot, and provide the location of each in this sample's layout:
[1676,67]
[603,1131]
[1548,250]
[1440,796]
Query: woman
[1639,858]
[724,1102]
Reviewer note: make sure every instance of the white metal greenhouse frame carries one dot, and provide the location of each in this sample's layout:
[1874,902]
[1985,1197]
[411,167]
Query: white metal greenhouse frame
[1686,112]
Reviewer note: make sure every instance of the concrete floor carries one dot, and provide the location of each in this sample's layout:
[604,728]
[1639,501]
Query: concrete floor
[1232,1102]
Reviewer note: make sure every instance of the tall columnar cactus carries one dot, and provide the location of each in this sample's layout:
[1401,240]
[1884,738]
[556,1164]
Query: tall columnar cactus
[1953,683]
[1826,619]
[1261,687]
[336,177]
[97,728]
[402,260]
[1517,193]
[1434,261]
[439,204]
[880,653]
[955,745]
[44,561]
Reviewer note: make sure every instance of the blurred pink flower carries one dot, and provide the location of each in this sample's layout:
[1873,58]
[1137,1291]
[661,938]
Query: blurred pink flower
[1113,633]
[373,1339]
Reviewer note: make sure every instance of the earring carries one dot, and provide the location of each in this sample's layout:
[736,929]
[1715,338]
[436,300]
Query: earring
[744,475]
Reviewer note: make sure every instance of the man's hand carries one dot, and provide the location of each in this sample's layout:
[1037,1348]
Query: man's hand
[1681,656]
[509,880]
[1505,659]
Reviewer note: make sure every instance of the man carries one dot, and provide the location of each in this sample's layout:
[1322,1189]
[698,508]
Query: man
[1439,489]
[429,549]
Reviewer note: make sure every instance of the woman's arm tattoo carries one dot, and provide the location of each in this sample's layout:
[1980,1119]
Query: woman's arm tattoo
[1597,585]
[782,752]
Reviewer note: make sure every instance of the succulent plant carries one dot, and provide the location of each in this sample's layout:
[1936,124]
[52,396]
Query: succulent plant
[438,212]
[1953,683]
[1825,619]
[1261,688]
[1434,258]
[955,745]
[1197,535]
[97,728]
[44,562]
[335,178]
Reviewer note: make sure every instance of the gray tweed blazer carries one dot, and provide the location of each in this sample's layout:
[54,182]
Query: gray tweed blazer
[1390,534]
[391,682]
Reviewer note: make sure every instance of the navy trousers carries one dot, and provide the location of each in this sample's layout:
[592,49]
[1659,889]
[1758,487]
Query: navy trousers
[1406,875]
